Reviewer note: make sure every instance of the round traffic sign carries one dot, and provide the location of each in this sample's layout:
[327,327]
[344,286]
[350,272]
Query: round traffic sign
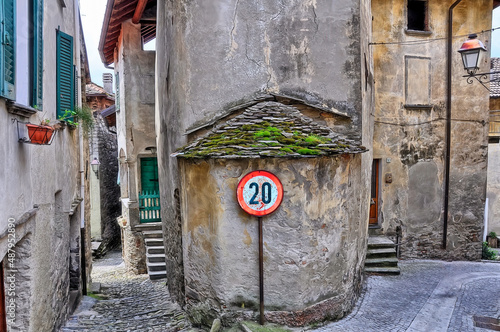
[259,193]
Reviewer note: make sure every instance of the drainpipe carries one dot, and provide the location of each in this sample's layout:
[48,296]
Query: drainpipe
[448,122]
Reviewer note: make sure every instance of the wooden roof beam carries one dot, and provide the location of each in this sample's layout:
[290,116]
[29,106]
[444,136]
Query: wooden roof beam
[139,10]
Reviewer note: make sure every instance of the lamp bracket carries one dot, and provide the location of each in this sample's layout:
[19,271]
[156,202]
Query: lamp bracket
[483,78]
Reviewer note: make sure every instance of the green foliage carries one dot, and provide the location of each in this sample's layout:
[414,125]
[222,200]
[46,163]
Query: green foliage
[287,150]
[314,140]
[488,253]
[493,235]
[307,151]
[79,116]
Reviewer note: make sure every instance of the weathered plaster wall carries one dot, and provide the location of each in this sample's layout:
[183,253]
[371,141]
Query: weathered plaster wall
[313,244]
[493,193]
[135,131]
[312,50]
[49,177]
[411,141]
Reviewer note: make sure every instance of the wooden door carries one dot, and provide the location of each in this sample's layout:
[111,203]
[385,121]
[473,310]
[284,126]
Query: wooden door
[374,193]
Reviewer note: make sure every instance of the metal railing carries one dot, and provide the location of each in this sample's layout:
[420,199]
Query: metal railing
[149,206]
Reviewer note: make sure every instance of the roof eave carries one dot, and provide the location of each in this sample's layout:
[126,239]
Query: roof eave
[104,31]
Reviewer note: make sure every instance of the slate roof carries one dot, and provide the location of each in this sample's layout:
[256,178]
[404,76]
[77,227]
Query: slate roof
[269,129]
[495,85]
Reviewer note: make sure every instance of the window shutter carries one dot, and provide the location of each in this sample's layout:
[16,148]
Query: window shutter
[8,55]
[117,94]
[37,79]
[65,74]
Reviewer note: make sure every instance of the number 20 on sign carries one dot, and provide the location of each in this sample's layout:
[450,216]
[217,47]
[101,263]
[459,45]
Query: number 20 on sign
[259,193]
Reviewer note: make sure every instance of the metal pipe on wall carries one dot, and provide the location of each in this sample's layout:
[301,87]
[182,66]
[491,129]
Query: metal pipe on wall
[448,122]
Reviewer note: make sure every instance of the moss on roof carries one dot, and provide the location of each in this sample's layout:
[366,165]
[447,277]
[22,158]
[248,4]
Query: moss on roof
[269,129]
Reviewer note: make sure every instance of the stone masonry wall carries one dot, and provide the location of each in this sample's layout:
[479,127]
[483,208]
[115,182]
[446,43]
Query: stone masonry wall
[310,50]
[314,244]
[410,137]
[109,188]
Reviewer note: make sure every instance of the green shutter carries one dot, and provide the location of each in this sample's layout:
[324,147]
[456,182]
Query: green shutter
[117,94]
[65,74]
[7,53]
[37,52]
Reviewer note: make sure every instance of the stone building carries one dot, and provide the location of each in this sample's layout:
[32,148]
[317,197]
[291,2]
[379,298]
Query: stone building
[493,191]
[44,209]
[122,43]
[409,189]
[104,151]
[312,56]
[371,72]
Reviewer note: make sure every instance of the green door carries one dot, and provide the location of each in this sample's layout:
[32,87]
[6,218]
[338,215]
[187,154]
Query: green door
[149,197]
[149,175]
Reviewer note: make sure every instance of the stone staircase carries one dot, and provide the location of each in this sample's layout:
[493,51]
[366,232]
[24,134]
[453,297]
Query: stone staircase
[155,249]
[381,256]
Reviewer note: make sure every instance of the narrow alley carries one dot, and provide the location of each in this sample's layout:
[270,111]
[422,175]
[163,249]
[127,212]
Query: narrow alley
[125,302]
[428,295]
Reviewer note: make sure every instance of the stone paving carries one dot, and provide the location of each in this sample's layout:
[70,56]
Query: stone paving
[130,302]
[428,296]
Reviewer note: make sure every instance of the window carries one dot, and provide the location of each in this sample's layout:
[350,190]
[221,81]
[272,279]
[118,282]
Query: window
[36,61]
[21,51]
[65,74]
[417,15]
[7,49]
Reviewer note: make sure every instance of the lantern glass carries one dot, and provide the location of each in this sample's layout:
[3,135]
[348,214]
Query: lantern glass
[95,165]
[471,59]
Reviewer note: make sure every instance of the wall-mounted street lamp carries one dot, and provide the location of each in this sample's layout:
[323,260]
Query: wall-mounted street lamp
[472,52]
[95,166]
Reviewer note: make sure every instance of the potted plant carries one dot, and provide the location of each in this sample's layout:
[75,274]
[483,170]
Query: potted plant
[492,240]
[79,116]
[40,134]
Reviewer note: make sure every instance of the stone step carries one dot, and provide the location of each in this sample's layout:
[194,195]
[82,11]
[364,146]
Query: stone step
[381,262]
[155,250]
[383,270]
[153,234]
[155,275]
[382,252]
[155,258]
[156,266]
[375,242]
[150,226]
[153,242]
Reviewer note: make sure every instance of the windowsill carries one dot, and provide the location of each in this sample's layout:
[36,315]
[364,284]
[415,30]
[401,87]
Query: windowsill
[418,106]
[21,110]
[422,33]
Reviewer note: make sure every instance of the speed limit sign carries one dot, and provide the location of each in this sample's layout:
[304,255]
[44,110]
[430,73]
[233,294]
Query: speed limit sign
[259,193]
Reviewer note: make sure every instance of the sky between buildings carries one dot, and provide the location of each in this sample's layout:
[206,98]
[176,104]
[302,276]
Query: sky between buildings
[92,12]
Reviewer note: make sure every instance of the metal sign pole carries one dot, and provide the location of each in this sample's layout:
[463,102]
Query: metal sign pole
[261,272]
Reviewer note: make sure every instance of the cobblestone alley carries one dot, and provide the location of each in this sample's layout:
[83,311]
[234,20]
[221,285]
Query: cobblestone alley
[129,302]
[428,296]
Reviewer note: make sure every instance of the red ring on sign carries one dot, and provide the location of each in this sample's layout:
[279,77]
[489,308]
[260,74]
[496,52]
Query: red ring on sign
[244,205]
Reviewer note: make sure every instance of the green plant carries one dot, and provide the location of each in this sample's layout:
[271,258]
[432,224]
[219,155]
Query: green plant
[488,253]
[79,116]
[493,235]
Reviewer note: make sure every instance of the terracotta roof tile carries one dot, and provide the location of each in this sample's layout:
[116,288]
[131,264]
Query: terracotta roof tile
[93,89]
[269,129]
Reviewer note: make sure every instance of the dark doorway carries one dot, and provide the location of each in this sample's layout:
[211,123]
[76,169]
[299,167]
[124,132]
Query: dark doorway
[374,193]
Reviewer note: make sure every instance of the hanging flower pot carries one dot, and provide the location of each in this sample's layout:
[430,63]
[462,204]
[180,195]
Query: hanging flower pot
[39,134]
